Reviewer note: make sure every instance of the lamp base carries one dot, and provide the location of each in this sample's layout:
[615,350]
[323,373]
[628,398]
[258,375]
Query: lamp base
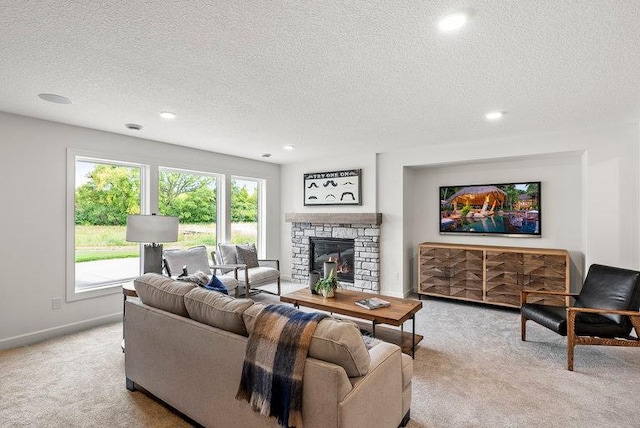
[153,258]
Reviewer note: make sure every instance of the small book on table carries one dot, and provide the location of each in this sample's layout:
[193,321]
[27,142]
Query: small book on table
[372,303]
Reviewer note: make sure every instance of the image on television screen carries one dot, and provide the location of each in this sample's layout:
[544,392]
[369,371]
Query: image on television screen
[511,209]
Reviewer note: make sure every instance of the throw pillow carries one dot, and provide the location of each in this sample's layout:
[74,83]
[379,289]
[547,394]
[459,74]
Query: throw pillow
[247,255]
[199,278]
[216,285]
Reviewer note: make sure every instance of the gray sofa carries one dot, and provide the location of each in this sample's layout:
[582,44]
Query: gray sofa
[186,346]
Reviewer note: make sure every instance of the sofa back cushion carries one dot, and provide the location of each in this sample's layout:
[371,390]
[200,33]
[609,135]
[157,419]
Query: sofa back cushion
[217,309]
[163,292]
[335,341]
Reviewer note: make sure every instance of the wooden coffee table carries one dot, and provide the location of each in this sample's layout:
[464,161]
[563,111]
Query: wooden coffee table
[343,303]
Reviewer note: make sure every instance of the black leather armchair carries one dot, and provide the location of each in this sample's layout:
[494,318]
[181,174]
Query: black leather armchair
[604,312]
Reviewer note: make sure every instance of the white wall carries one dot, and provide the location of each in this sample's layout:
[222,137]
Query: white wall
[561,202]
[292,194]
[33,186]
[606,212]
[590,185]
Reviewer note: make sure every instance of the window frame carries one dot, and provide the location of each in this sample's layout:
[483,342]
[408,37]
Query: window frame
[107,288]
[220,196]
[261,229]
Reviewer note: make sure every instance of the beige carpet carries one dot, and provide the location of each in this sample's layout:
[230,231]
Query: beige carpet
[471,370]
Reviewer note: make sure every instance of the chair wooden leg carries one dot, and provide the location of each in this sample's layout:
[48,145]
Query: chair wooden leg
[571,338]
[523,328]
[278,286]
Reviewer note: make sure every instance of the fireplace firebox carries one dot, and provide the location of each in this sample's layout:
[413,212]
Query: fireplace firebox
[336,250]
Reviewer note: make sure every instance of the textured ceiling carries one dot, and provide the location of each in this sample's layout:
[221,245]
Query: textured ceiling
[348,77]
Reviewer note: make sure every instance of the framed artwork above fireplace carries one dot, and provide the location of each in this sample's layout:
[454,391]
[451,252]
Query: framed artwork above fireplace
[333,188]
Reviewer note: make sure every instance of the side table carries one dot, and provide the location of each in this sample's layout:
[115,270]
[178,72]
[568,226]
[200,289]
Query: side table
[128,290]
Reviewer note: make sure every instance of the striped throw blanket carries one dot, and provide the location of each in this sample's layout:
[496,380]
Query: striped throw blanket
[274,363]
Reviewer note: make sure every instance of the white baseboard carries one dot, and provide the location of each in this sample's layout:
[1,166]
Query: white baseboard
[41,335]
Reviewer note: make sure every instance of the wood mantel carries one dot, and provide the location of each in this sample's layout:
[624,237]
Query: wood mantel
[334,218]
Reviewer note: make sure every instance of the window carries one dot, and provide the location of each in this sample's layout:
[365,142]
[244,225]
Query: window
[193,198]
[104,193]
[245,212]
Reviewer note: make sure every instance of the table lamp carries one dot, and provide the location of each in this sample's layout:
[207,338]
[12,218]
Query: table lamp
[150,230]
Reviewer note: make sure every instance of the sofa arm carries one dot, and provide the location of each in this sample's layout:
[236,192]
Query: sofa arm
[324,386]
[365,402]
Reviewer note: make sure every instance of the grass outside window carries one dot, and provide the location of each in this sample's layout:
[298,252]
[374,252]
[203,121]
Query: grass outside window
[108,242]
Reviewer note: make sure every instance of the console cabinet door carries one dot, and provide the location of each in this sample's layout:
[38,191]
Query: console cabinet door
[545,272]
[434,270]
[466,274]
[505,277]
[451,272]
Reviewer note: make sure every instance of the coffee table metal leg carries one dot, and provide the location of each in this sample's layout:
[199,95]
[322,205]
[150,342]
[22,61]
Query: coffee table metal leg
[373,329]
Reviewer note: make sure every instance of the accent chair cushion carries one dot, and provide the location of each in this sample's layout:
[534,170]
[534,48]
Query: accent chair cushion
[247,255]
[335,341]
[227,254]
[194,258]
[555,318]
[552,317]
[163,292]
[608,287]
[258,275]
[217,310]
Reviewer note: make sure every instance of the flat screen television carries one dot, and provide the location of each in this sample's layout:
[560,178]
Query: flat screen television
[507,209]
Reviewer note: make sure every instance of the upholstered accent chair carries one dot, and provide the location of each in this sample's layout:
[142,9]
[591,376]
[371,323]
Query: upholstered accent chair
[250,271]
[196,259]
[604,312]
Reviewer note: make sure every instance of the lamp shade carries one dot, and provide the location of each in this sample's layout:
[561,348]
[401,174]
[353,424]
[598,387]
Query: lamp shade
[152,228]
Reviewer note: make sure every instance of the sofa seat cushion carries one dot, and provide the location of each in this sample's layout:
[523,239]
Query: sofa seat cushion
[217,310]
[257,274]
[163,292]
[335,341]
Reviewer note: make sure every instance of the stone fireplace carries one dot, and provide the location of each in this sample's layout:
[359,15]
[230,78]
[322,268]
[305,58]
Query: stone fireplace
[329,229]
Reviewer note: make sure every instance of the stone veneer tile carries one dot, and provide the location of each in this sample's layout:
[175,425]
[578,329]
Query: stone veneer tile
[366,251]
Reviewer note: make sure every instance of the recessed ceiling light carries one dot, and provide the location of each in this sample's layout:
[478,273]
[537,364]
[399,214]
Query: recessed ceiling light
[266,155]
[288,147]
[494,115]
[167,115]
[53,98]
[133,126]
[453,22]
